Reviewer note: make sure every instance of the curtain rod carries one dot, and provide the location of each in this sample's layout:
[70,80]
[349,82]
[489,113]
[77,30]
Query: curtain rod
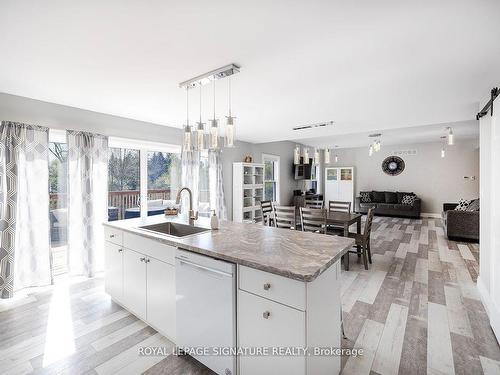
[494,93]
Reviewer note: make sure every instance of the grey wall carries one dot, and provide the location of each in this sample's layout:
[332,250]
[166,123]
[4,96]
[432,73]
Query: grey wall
[56,116]
[282,149]
[434,179]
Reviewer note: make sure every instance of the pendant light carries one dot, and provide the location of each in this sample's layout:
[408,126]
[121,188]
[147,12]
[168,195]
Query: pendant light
[370,151]
[296,155]
[187,128]
[229,120]
[451,140]
[214,130]
[199,136]
[443,150]
[316,156]
[306,155]
[327,156]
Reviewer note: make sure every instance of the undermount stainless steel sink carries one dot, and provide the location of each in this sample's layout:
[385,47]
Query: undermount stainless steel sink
[174,229]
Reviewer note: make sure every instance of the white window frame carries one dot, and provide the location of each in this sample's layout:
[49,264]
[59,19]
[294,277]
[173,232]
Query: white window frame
[144,147]
[276,160]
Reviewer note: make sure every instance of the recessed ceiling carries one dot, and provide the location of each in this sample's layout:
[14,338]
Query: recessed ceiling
[463,131]
[366,65]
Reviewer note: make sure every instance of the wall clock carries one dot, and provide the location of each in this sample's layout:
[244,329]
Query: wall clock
[393,165]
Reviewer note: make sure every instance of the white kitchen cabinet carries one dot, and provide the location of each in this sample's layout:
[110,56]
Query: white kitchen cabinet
[134,282]
[268,324]
[278,312]
[113,284]
[161,296]
[140,275]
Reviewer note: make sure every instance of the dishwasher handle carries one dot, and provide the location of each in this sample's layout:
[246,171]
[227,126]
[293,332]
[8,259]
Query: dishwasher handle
[207,269]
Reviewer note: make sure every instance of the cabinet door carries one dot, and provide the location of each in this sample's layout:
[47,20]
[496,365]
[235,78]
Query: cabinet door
[265,323]
[113,266]
[134,282]
[161,297]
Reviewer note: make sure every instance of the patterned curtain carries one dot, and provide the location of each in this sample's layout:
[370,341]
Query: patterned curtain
[217,199]
[87,201]
[24,207]
[190,167]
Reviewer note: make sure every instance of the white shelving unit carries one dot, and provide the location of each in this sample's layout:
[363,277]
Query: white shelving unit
[339,185]
[248,191]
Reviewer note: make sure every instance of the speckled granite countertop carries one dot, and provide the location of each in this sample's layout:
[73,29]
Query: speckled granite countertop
[297,255]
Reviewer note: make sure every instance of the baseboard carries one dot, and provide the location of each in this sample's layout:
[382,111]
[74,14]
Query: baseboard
[429,214]
[491,308]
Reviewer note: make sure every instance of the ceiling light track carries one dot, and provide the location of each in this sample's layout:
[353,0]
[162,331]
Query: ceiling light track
[213,75]
[489,106]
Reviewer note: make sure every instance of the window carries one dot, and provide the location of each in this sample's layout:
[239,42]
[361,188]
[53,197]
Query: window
[204,187]
[123,183]
[142,177]
[163,180]
[58,210]
[271,177]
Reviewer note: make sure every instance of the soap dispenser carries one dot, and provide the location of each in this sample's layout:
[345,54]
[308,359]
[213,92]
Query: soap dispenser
[214,221]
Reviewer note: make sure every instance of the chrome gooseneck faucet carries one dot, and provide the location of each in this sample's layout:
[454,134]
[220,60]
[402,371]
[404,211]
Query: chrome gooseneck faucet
[192,215]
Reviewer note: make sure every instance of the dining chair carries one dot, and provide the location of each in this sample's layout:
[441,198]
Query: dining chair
[362,241]
[339,206]
[313,220]
[313,203]
[267,212]
[284,217]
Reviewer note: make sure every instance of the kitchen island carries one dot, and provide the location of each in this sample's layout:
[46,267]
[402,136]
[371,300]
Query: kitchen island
[286,293]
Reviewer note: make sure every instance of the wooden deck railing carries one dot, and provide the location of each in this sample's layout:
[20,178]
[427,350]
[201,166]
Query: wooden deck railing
[119,199]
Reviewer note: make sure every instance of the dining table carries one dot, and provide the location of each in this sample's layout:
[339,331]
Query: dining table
[344,220]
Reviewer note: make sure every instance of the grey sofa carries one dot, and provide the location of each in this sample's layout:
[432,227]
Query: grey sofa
[460,225]
[389,204]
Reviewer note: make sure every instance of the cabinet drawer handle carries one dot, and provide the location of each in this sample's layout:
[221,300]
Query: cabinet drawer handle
[148,260]
[142,259]
[266,314]
[111,236]
[267,286]
[120,250]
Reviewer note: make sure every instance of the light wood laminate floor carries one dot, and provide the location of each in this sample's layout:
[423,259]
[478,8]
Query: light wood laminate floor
[415,311]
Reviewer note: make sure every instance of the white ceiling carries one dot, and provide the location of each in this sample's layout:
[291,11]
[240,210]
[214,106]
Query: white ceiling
[462,131]
[367,65]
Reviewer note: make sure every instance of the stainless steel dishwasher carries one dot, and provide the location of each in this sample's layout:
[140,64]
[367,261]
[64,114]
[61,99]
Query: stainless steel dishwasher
[206,309]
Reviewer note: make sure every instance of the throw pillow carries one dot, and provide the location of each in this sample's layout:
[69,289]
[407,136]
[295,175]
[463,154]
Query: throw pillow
[473,206]
[378,196]
[408,199]
[401,195]
[391,197]
[462,204]
[365,197]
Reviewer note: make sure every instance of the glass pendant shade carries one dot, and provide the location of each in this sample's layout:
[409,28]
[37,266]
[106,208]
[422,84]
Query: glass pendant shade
[199,137]
[316,156]
[230,131]
[451,140]
[214,134]
[327,156]
[336,158]
[370,151]
[187,138]
[296,155]
[306,156]
[443,153]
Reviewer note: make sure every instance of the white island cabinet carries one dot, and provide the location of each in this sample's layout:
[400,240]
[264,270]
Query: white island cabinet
[140,276]
[283,314]
[279,314]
